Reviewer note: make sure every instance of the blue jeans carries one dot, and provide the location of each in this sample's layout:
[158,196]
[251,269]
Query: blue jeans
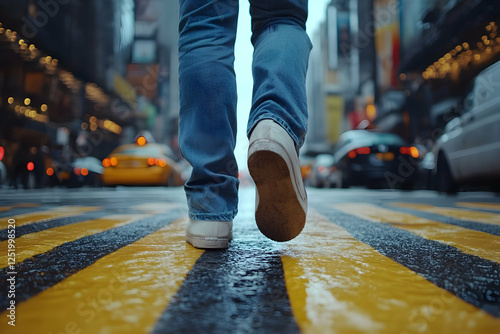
[207,84]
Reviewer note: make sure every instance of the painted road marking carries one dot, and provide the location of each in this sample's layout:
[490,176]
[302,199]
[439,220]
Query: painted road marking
[156,207]
[48,224]
[32,244]
[471,242]
[482,217]
[123,292]
[487,228]
[27,205]
[19,205]
[471,278]
[18,209]
[47,269]
[5,208]
[338,284]
[64,211]
[477,205]
[238,290]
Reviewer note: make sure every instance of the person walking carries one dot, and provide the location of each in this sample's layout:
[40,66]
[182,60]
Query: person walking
[277,122]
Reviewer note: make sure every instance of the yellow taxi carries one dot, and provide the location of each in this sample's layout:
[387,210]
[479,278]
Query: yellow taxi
[141,163]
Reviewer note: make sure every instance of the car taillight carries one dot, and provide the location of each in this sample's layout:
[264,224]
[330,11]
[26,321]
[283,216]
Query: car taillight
[30,166]
[363,150]
[160,162]
[77,171]
[141,141]
[157,162]
[106,162]
[413,151]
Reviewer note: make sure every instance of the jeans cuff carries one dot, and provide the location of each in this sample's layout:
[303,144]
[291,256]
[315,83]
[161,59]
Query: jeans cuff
[222,217]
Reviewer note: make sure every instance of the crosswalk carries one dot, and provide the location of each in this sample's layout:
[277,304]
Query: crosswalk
[124,292]
[481,217]
[358,267]
[40,216]
[346,286]
[467,240]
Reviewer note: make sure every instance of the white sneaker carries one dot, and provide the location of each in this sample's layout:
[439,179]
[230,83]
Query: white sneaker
[209,234]
[281,199]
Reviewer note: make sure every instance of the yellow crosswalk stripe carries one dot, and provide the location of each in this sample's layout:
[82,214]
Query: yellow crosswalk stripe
[63,211]
[472,242]
[477,205]
[156,207]
[123,292]
[481,217]
[32,244]
[27,205]
[5,208]
[337,284]
[19,205]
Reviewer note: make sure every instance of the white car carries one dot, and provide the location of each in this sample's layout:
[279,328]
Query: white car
[469,149]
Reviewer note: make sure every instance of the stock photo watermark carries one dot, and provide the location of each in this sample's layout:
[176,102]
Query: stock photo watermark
[11,274]
[48,9]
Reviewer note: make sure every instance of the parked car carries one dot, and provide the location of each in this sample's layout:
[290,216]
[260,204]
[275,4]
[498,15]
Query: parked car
[58,172]
[426,178]
[320,175]
[87,171]
[141,163]
[374,159]
[468,151]
[306,162]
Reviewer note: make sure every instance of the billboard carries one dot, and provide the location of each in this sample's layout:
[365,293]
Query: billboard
[145,48]
[339,37]
[387,43]
[334,110]
[144,51]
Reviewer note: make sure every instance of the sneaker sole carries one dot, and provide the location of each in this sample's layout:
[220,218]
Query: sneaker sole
[279,215]
[201,242]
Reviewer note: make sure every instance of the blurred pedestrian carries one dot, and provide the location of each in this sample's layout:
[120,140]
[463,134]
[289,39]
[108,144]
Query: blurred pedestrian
[276,126]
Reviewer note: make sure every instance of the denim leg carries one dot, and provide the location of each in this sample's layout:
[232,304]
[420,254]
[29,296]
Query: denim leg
[207,126]
[280,59]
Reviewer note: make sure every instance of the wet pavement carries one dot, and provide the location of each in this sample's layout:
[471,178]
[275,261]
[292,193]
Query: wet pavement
[115,261]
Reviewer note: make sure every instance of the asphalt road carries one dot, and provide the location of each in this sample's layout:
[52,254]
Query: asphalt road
[115,261]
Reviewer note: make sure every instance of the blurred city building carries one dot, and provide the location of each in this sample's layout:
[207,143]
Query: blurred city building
[401,66]
[342,80]
[81,77]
